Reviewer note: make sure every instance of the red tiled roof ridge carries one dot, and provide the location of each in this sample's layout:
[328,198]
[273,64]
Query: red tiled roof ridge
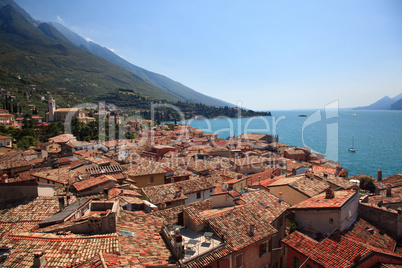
[32,236]
[22,221]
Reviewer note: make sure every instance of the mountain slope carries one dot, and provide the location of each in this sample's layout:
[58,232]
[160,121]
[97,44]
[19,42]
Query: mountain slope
[397,105]
[183,92]
[385,103]
[27,51]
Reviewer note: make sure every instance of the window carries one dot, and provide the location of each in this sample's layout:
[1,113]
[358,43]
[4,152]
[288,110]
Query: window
[198,195]
[270,246]
[151,179]
[296,262]
[263,248]
[239,261]
[331,220]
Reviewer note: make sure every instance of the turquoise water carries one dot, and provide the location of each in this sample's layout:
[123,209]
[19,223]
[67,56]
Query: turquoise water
[377,135]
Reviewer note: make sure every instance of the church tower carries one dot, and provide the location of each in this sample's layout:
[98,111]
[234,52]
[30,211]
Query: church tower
[52,108]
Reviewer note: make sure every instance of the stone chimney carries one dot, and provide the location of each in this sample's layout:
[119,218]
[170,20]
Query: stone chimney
[252,229]
[178,243]
[379,175]
[39,259]
[280,197]
[329,193]
[106,193]
[61,203]
[389,191]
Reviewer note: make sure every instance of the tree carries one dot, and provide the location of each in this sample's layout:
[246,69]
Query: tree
[366,183]
[26,142]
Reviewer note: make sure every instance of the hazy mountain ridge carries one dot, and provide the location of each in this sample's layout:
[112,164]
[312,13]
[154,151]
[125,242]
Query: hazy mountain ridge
[385,103]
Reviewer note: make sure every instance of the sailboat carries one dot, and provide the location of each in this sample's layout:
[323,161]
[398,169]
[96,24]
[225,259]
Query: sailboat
[352,149]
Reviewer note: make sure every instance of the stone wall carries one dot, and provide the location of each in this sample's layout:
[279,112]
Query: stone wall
[388,219]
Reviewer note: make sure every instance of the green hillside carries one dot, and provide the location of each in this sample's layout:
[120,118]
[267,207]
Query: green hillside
[26,51]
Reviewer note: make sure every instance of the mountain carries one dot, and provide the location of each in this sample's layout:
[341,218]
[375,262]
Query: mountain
[397,105]
[181,91]
[44,55]
[385,103]
[20,10]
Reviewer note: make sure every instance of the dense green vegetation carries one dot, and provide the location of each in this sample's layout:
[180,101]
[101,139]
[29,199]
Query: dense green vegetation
[29,135]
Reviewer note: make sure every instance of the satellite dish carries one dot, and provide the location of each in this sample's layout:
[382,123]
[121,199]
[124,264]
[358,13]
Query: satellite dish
[225,186]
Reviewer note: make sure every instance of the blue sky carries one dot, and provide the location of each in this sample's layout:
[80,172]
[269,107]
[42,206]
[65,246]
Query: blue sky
[269,55]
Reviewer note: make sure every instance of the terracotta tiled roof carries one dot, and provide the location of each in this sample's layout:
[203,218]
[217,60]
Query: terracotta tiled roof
[393,181]
[143,246]
[163,193]
[309,187]
[341,250]
[92,181]
[59,250]
[329,170]
[319,201]
[63,138]
[269,202]
[364,232]
[234,225]
[170,215]
[335,180]
[334,251]
[396,197]
[199,183]
[24,215]
[7,164]
[62,175]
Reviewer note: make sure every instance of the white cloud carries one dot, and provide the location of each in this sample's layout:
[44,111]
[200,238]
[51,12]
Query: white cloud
[89,39]
[111,49]
[59,19]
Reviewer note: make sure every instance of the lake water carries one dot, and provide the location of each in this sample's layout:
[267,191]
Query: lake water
[377,135]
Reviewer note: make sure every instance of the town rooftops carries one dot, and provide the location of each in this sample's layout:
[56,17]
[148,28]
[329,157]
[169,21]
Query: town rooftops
[321,202]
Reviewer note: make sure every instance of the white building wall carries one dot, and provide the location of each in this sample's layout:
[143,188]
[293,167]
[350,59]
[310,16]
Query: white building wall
[192,197]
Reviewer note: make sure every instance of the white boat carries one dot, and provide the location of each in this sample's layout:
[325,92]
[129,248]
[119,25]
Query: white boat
[352,149]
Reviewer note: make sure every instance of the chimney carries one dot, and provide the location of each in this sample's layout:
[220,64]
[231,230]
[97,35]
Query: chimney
[106,193]
[379,175]
[39,259]
[178,243]
[329,193]
[61,203]
[68,199]
[389,191]
[280,197]
[326,176]
[252,229]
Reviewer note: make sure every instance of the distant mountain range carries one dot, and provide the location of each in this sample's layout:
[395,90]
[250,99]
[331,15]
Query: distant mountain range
[386,103]
[54,56]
